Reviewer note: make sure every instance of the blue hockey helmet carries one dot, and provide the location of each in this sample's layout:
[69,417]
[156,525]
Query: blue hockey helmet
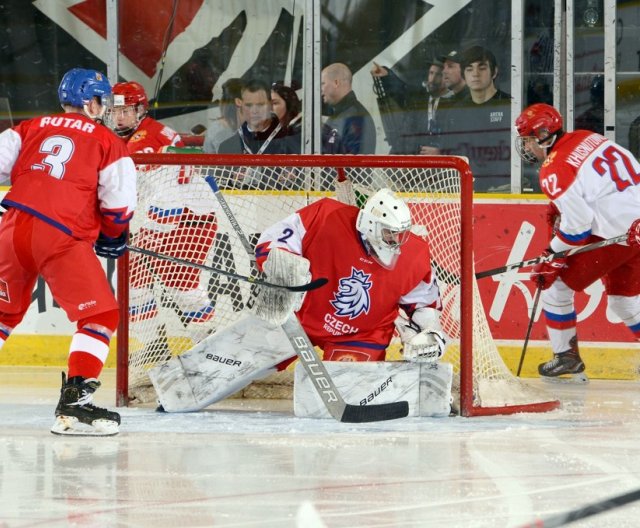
[79,86]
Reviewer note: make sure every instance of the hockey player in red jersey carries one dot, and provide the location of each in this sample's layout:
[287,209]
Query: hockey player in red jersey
[594,185]
[375,266]
[379,278]
[131,122]
[73,190]
[171,225]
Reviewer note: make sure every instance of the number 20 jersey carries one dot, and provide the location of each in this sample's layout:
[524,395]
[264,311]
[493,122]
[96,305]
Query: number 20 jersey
[595,183]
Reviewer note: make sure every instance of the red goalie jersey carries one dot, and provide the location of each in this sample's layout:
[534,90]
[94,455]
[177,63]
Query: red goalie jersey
[359,304]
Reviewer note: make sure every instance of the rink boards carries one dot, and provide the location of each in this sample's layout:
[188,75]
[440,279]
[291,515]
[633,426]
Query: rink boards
[507,229]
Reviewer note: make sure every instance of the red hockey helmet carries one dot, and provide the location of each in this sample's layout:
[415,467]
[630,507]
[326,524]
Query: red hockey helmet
[130,105]
[541,122]
[132,94]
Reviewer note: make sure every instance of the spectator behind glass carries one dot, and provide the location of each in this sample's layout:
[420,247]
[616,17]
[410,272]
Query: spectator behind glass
[479,127]
[230,116]
[453,79]
[287,106]
[260,133]
[409,115]
[348,117]
[593,118]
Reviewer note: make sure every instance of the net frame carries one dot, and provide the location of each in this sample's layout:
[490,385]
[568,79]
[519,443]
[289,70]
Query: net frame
[341,165]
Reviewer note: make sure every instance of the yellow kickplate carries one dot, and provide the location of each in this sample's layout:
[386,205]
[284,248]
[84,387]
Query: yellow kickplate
[43,351]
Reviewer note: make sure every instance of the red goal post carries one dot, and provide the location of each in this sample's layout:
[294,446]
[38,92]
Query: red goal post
[164,305]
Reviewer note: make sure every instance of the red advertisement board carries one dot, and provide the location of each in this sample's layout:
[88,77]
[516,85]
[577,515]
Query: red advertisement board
[507,231]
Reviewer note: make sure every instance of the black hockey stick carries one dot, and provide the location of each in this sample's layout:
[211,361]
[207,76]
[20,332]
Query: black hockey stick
[231,217]
[552,256]
[526,338]
[335,404]
[312,364]
[314,284]
[595,508]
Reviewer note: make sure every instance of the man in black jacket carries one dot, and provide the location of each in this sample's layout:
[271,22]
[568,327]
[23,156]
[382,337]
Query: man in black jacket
[479,126]
[351,120]
[260,133]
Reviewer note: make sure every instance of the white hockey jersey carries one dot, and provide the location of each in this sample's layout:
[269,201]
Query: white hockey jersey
[594,183]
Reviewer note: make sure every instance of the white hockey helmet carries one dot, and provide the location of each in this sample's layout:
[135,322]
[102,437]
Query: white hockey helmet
[385,224]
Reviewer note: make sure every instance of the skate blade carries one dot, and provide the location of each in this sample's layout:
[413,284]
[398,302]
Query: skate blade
[570,379]
[71,426]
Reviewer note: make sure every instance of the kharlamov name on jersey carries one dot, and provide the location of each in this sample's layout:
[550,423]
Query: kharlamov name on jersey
[594,182]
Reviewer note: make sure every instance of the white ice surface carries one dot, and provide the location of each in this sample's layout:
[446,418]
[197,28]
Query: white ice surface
[249,464]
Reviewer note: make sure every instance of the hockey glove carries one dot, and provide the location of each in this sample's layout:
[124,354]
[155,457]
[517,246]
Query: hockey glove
[545,273]
[111,247]
[282,267]
[553,219]
[420,345]
[633,235]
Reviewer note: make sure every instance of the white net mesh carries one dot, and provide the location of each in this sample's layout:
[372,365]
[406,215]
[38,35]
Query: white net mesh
[173,306]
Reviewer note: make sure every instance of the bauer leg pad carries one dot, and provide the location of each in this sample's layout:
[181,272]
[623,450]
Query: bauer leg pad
[220,365]
[427,387]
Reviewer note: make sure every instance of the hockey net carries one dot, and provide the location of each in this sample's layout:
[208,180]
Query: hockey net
[167,306]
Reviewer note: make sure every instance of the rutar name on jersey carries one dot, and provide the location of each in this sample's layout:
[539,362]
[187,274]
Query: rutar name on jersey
[68,122]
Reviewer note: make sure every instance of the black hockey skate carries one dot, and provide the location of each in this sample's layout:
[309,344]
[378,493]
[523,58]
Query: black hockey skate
[76,415]
[564,363]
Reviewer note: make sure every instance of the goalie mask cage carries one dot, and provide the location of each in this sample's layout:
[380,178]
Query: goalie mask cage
[167,307]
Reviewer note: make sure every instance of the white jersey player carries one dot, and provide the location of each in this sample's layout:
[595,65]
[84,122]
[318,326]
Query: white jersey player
[594,184]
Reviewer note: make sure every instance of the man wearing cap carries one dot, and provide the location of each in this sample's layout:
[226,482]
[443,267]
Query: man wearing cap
[479,126]
[410,119]
[453,78]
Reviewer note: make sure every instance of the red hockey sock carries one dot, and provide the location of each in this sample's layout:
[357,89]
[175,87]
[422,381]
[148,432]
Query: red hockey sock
[84,364]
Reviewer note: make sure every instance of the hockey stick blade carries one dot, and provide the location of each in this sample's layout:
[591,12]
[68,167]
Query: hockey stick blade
[328,392]
[552,256]
[313,285]
[586,511]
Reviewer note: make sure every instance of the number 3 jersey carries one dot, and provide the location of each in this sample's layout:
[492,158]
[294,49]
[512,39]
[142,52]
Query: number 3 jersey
[595,185]
[70,172]
[360,301]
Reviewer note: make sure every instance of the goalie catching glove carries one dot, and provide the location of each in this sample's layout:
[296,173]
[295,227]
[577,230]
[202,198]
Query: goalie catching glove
[288,269]
[422,337]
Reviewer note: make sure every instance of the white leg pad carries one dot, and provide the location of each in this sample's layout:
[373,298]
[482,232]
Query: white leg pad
[220,365]
[427,387]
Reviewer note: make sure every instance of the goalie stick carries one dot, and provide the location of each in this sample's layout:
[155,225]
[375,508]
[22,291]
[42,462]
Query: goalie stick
[595,508]
[231,217]
[552,256]
[324,385]
[317,283]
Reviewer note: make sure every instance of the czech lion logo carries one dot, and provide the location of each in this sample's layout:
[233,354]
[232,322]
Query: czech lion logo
[352,297]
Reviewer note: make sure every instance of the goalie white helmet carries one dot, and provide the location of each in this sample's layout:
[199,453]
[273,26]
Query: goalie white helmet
[385,224]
